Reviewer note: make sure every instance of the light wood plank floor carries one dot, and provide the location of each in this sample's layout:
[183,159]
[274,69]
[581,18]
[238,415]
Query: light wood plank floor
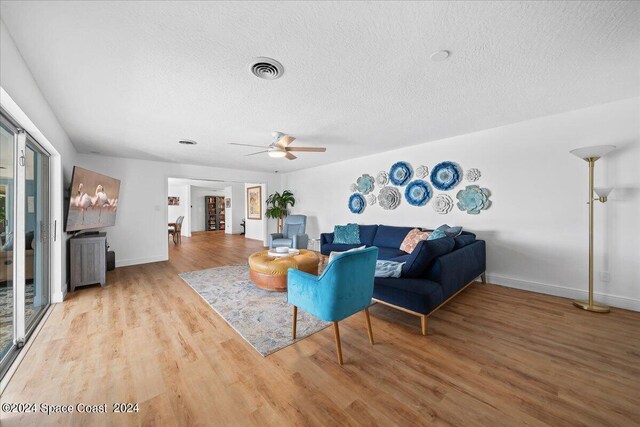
[494,356]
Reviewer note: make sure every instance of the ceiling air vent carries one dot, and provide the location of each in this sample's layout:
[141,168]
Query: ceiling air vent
[267,68]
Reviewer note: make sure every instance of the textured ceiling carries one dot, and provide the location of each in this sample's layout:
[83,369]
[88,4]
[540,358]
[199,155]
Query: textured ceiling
[131,78]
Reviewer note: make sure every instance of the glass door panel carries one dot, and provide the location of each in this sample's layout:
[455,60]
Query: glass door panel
[7,191]
[36,233]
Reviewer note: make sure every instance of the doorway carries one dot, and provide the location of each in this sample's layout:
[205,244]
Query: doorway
[24,243]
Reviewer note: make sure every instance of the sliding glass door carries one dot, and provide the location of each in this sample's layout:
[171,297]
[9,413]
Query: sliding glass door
[24,242]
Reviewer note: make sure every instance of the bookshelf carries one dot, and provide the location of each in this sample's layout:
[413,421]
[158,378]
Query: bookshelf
[214,217]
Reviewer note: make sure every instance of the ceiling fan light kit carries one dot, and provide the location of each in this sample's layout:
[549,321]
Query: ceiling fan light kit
[279,147]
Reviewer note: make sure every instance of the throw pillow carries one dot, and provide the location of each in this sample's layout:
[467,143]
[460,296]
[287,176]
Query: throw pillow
[412,239]
[419,262]
[334,254]
[346,234]
[445,231]
[388,268]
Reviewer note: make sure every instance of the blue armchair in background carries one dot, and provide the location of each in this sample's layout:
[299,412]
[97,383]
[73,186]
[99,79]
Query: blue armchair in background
[293,233]
[344,288]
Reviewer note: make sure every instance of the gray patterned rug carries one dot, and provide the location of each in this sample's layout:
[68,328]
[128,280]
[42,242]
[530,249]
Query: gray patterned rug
[261,317]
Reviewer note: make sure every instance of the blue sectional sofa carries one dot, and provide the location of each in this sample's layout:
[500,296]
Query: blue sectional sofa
[433,273]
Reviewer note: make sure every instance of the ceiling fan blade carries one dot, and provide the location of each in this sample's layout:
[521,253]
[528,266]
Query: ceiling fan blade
[259,152]
[247,145]
[308,149]
[285,141]
[290,156]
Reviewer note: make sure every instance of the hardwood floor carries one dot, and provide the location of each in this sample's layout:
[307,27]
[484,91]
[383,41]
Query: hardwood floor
[493,356]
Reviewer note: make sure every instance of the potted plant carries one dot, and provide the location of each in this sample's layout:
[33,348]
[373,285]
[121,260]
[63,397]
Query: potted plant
[278,206]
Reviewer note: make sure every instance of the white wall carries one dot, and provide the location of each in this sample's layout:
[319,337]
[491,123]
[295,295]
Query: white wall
[198,217]
[257,229]
[235,214]
[22,98]
[183,209]
[139,235]
[536,230]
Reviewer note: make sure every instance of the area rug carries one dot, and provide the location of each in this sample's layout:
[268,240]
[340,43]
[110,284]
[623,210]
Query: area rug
[261,317]
[6,312]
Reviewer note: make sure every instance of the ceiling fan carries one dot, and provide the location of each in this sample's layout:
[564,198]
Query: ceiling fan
[280,147]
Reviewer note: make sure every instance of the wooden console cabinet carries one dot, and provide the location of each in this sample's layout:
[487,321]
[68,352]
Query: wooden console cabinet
[88,260]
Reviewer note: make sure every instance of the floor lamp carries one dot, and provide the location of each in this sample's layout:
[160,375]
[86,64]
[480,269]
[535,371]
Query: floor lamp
[591,154]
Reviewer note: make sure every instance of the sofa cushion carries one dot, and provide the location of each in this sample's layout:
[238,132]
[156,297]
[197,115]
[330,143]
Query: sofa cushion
[419,261]
[367,233]
[464,239]
[346,234]
[390,237]
[419,295]
[334,247]
[388,253]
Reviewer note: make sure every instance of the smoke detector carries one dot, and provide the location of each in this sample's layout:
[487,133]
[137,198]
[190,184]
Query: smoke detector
[267,68]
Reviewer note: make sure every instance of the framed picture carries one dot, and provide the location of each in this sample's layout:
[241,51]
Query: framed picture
[227,203]
[254,202]
[174,201]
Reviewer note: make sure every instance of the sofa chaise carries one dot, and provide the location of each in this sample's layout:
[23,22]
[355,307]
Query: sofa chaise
[433,273]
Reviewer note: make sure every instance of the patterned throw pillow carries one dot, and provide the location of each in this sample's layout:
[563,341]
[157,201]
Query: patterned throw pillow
[346,234]
[334,254]
[388,268]
[412,239]
[445,231]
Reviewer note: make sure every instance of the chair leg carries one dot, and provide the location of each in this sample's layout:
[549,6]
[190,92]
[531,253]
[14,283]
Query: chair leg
[336,331]
[369,330]
[423,321]
[295,320]
[483,278]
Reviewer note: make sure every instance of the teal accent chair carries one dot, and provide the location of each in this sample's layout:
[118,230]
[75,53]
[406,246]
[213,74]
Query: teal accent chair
[344,288]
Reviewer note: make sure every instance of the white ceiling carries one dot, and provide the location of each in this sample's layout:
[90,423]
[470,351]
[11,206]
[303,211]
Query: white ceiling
[199,183]
[131,78]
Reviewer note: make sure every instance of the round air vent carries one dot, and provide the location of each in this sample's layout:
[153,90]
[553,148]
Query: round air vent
[267,68]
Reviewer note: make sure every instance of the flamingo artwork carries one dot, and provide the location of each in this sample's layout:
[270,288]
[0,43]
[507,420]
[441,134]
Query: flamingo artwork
[100,200]
[83,201]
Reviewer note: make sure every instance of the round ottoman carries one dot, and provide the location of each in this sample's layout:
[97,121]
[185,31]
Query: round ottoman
[270,273]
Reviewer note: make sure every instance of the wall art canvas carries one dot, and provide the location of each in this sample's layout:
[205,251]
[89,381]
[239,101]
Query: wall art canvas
[93,202]
[174,201]
[254,202]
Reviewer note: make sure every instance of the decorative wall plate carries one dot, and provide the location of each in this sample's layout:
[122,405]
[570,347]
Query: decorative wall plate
[353,188]
[357,203]
[442,204]
[382,179]
[389,198]
[446,175]
[473,199]
[422,171]
[418,192]
[473,175]
[365,184]
[400,173]
[371,199]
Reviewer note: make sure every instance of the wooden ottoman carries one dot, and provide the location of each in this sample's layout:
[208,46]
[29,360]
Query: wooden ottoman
[270,273]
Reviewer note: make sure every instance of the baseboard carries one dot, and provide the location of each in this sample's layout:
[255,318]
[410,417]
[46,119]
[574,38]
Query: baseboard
[136,261]
[566,292]
[59,296]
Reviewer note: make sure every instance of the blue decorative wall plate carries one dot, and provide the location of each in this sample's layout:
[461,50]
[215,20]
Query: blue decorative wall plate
[446,175]
[473,199]
[418,193]
[400,173]
[365,184]
[357,203]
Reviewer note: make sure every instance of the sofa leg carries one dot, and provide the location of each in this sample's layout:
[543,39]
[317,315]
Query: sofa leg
[483,278]
[369,330]
[295,320]
[336,331]
[423,322]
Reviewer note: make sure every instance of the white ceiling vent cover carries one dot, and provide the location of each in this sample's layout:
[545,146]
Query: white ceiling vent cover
[267,68]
